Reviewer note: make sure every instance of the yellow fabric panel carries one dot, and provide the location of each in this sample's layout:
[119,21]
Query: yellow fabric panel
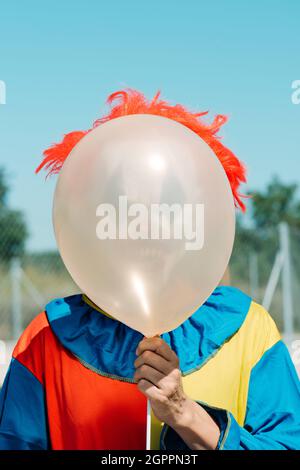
[223,380]
[94,306]
[156,428]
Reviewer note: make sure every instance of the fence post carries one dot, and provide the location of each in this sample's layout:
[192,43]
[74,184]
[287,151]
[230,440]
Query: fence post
[253,275]
[288,314]
[16,309]
[273,280]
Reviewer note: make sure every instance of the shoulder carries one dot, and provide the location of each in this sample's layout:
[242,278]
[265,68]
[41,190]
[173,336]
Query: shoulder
[29,350]
[259,332]
[261,322]
[32,332]
[39,339]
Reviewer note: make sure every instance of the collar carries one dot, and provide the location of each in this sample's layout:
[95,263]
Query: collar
[88,301]
[108,346]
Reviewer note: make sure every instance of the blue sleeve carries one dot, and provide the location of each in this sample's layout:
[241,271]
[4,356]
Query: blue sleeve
[23,422]
[272,419]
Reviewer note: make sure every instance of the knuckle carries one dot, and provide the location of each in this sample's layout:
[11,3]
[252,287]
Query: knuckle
[141,384]
[136,363]
[163,399]
[176,375]
[143,369]
[136,375]
[141,344]
[146,355]
[176,358]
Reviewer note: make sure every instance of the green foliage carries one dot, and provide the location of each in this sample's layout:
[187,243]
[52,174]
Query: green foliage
[259,238]
[3,188]
[278,203]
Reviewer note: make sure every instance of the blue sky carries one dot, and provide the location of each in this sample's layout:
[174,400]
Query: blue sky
[60,59]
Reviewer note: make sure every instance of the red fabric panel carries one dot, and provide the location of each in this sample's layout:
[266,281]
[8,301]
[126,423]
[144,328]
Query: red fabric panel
[85,410]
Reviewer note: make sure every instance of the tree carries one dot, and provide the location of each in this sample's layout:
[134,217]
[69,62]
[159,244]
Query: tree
[13,229]
[278,203]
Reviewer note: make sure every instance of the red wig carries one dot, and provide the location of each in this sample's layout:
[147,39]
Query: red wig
[125,102]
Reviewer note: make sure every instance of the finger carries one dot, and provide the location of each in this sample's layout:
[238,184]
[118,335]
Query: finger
[149,374]
[157,345]
[154,360]
[148,389]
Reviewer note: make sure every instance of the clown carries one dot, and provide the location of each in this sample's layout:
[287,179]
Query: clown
[80,379]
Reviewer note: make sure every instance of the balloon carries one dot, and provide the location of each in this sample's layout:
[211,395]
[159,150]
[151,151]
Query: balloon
[144,220]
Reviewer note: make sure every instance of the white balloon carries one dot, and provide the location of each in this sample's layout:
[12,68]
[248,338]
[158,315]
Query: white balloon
[152,271]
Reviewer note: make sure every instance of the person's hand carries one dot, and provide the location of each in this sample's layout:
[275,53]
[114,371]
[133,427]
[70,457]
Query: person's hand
[159,378]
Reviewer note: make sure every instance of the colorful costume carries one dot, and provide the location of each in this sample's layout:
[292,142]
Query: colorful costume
[70,383]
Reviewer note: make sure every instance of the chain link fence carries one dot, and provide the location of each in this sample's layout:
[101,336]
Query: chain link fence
[27,283]
[270,274]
